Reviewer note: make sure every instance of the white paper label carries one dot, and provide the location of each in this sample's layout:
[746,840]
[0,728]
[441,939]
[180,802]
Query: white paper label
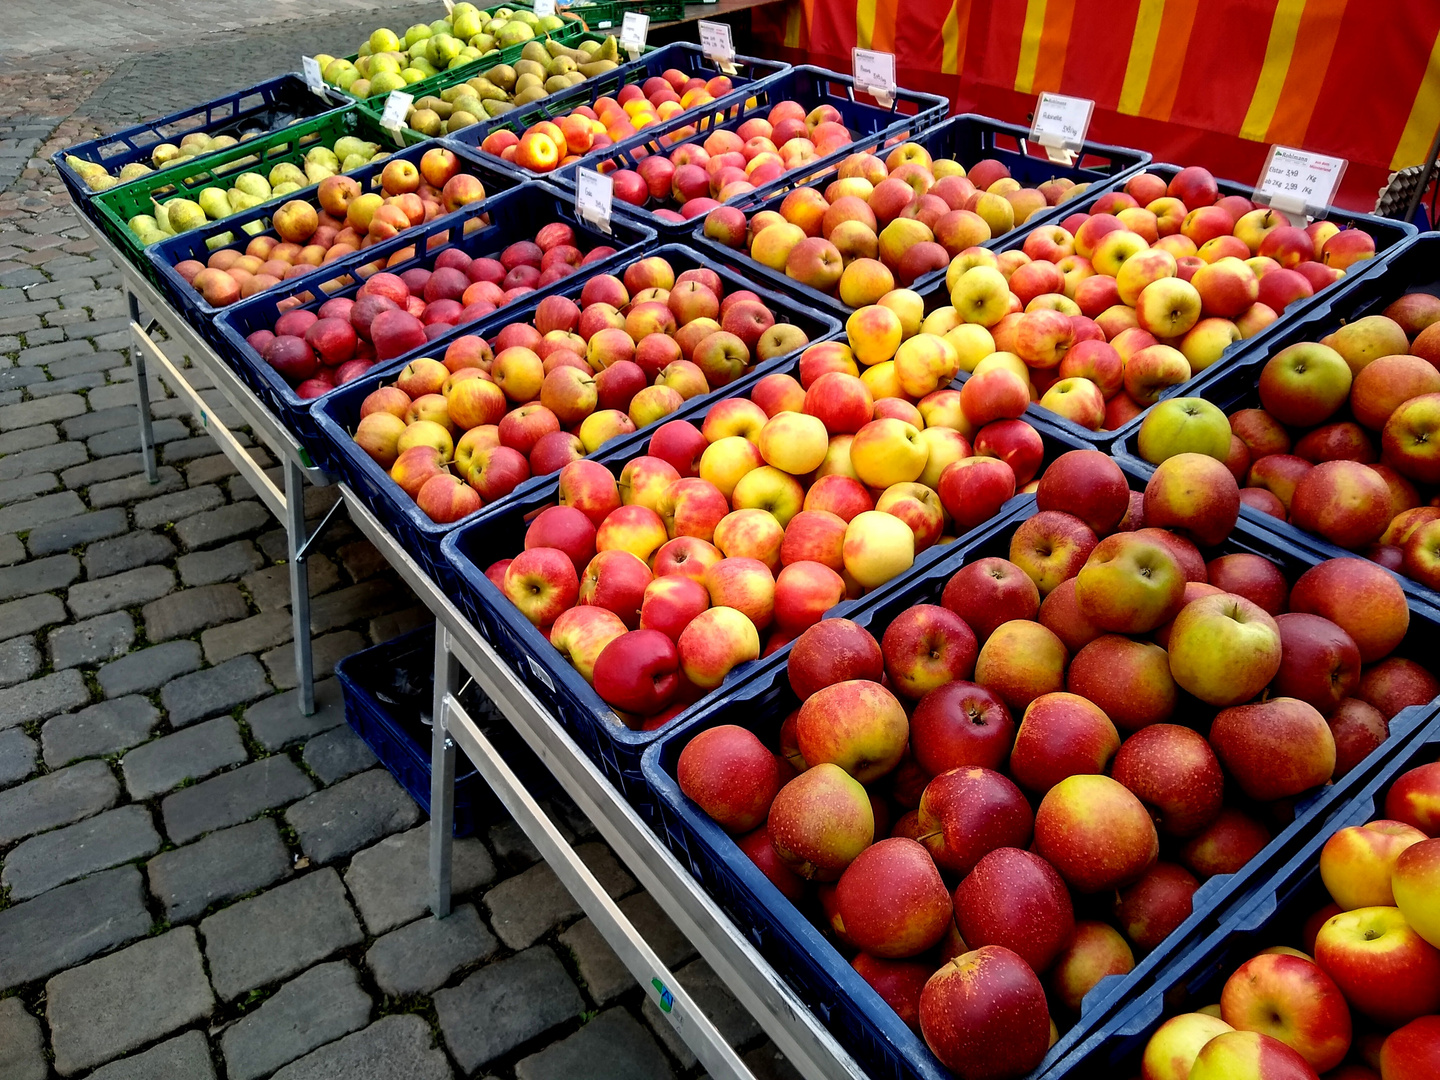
[594,196]
[1061,121]
[1299,182]
[397,108]
[543,8]
[634,31]
[449,7]
[875,72]
[313,79]
[715,40]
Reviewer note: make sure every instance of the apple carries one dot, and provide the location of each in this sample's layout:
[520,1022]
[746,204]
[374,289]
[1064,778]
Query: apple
[1193,493]
[973,489]
[1130,584]
[877,547]
[1249,1055]
[1095,951]
[804,591]
[856,724]
[1414,798]
[1130,680]
[1095,833]
[986,1006]
[892,901]
[1171,1051]
[1344,501]
[1304,384]
[960,724]
[925,647]
[1320,662]
[542,583]
[1184,425]
[1015,899]
[1020,661]
[1274,749]
[1382,966]
[989,592]
[1290,999]
[730,774]
[1356,863]
[1174,772]
[1413,1051]
[821,821]
[1087,484]
[1051,546]
[1158,904]
[1224,649]
[1225,845]
[1061,734]
[1358,729]
[1360,597]
[714,643]
[898,982]
[1413,881]
[581,634]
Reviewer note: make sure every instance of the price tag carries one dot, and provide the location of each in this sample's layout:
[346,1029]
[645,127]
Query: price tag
[313,79]
[449,7]
[716,44]
[633,33]
[397,108]
[543,8]
[1298,183]
[1060,125]
[875,74]
[594,195]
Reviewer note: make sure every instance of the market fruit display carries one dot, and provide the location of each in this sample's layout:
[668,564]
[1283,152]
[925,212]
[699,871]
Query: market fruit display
[1068,744]
[544,68]
[695,177]
[246,189]
[1354,989]
[165,155]
[892,219]
[342,219]
[547,145]
[389,61]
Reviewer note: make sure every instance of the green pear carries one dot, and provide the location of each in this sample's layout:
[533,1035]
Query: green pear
[465,24]
[464,8]
[418,32]
[242,200]
[385,82]
[412,76]
[253,228]
[502,76]
[360,88]
[384,63]
[215,243]
[215,204]
[459,120]
[315,172]
[353,162]
[323,155]
[141,222]
[484,42]
[424,66]
[335,69]
[497,108]
[162,216]
[151,236]
[284,172]
[426,122]
[347,145]
[383,40]
[185,215]
[551,23]
[197,142]
[253,184]
[133,170]
[223,142]
[513,33]
[285,188]
[440,26]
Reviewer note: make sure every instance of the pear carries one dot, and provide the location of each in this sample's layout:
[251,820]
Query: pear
[315,172]
[286,172]
[142,222]
[416,33]
[162,216]
[412,75]
[164,153]
[459,120]
[377,159]
[384,40]
[241,200]
[513,33]
[333,70]
[360,88]
[562,65]
[488,91]
[465,24]
[214,202]
[524,15]
[285,188]
[253,184]
[223,142]
[440,26]
[556,84]
[185,215]
[353,162]
[323,155]
[347,145]
[151,236]
[496,108]
[385,82]
[426,122]
[253,228]
[502,76]
[469,104]
[534,92]
[526,82]
[535,50]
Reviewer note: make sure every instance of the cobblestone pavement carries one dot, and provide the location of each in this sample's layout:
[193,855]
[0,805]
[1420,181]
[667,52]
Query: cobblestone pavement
[195,880]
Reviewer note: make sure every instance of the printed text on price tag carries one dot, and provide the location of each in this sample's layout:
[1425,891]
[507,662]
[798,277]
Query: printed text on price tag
[634,31]
[1061,121]
[313,78]
[397,108]
[715,40]
[1299,183]
[594,196]
[875,73]
[543,8]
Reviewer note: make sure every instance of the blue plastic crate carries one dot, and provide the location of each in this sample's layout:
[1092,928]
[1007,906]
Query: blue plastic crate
[1411,266]
[682,56]
[514,215]
[966,139]
[912,112]
[336,414]
[389,692]
[1273,915]
[264,107]
[806,957]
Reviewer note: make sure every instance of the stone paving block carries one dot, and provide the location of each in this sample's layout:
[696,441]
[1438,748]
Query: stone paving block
[113,1005]
[185,1057]
[512,845]
[336,755]
[42,412]
[93,641]
[56,799]
[38,576]
[183,613]
[207,470]
[17,756]
[78,530]
[22,1046]
[320,1006]
[191,754]
[233,797]
[421,957]
[388,627]
[127,552]
[176,507]
[42,459]
[130,588]
[70,924]
[613,1046]
[105,728]
[127,440]
[362,560]
[325,652]
[28,438]
[42,697]
[277,721]
[504,1005]
[214,690]
[270,588]
[605,976]
[213,526]
[219,564]
[394,1046]
[31,613]
[19,659]
[24,488]
[363,601]
[93,423]
[715,1000]
[224,865]
[127,488]
[29,515]
[391,881]
[278,933]
[182,450]
[341,820]
[149,669]
[114,837]
[11,549]
[259,632]
[526,907]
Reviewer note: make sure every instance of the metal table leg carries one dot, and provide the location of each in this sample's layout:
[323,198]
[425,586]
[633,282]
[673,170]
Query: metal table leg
[442,775]
[142,388]
[299,584]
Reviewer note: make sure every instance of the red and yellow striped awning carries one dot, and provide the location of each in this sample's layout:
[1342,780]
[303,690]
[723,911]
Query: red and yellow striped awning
[1213,83]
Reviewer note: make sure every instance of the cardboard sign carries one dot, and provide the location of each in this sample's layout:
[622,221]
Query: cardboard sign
[875,74]
[716,44]
[594,197]
[1061,122]
[1298,183]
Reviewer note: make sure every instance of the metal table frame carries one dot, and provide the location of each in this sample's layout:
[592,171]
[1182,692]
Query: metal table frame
[460,652]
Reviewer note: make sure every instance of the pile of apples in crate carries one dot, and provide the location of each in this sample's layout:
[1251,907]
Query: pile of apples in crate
[547,145]
[1362,1001]
[546,392]
[347,220]
[1014,790]
[884,220]
[1343,444]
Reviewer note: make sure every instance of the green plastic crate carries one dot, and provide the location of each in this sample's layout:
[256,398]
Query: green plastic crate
[119,204]
[609,14]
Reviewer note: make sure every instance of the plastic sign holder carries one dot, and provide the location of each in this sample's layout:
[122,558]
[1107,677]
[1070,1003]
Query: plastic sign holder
[542,8]
[716,44]
[875,74]
[634,30]
[1060,125]
[594,197]
[397,108]
[1298,183]
[313,77]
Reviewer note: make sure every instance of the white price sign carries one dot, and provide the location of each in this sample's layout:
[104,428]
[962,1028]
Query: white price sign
[633,33]
[543,8]
[875,74]
[1299,183]
[594,195]
[397,108]
[715,41]
[1061,122]
[313,79]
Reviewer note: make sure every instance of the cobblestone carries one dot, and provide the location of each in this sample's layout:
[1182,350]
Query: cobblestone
[104,728]
[28,515]
[81,529]
[320,1006]
[45,696]
[176,507]
[219,564]
[132,486]
[526,907]
[94,641]
[263,631]
[96,472]
[391,884]
[109,839]
[341,820]
[237,519]
[127,439]
[421,957]
[38,576]
[70,924]
[214,690]
[504,1005]
[233,797]
[713,998]
[148,669]
[222,866]
[185,1057]
[17,756]
[31,613]
[22,1046]
[129,588]
[191,754]
[336,755]
[270,588]
[129,552]
[42,459]
[19,659]
[606,977]
[391,1047]
[277,721]
[184,613]
[325,653]
[55,799]
[613,1046]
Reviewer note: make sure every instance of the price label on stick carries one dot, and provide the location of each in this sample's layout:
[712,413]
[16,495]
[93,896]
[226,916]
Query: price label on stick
[397,108]
[543,8]
[594,195]
[1060,125]
[1299,183]
[313,79]
[716,44]
[449,7]
[875,74]
[633,33]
